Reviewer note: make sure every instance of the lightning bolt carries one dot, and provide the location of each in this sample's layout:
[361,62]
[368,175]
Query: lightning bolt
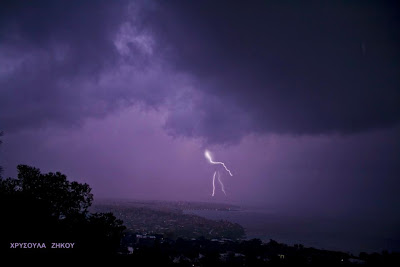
[214,183]
[208,156]
[222,185]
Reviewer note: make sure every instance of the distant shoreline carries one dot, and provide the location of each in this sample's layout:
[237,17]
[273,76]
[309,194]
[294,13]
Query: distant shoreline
[322,232]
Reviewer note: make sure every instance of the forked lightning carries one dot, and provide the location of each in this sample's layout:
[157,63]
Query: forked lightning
[216,173]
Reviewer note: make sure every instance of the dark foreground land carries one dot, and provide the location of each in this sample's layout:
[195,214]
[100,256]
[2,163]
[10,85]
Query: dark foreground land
[160,233]
[39,210]
[205,252]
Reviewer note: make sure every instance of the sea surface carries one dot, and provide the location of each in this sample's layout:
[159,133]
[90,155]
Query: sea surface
[350,236]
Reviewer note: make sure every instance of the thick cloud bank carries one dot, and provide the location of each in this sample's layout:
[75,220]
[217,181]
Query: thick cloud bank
[222,69]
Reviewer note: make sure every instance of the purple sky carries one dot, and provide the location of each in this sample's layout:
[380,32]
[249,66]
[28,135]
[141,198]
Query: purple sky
[301,102]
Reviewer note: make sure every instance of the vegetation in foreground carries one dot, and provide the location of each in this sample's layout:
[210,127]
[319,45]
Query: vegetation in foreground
[47,208]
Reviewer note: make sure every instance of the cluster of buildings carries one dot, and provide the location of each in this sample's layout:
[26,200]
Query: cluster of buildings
[172,223]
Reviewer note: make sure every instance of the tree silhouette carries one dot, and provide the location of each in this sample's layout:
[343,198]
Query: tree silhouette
[66,198]
[49,208]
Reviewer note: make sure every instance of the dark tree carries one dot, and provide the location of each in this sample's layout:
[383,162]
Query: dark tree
[38,207]
[65,198]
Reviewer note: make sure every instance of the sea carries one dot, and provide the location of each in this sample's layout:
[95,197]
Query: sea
[351,236]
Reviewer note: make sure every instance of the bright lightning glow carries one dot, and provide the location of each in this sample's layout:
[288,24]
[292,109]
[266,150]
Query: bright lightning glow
[207,154]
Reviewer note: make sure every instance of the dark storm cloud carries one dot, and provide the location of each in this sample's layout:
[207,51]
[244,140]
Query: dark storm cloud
[302,68]
[53,55]
[208,117]
[259,67]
